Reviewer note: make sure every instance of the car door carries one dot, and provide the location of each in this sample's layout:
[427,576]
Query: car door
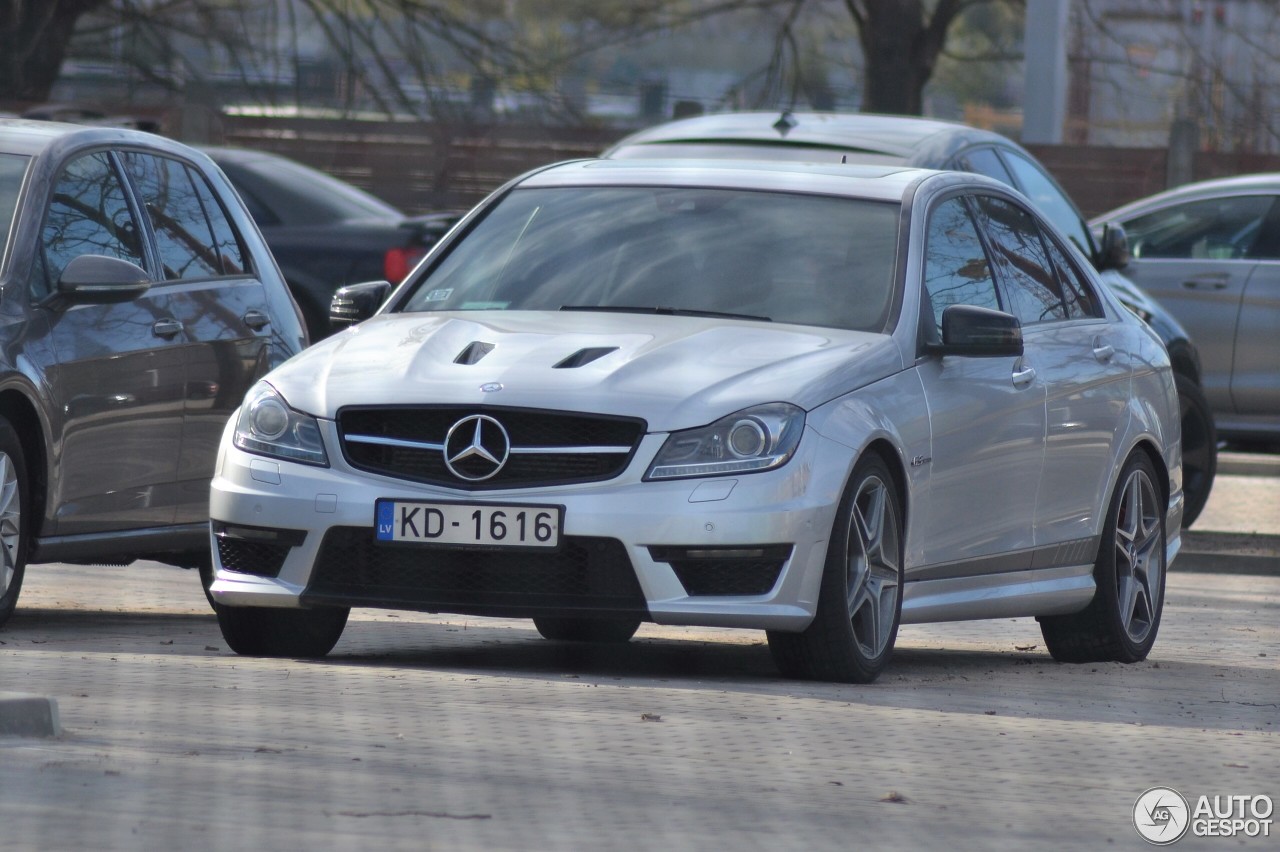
[1196,257]
[1082,360]
[117,380]
[219,303]
[1255,377]
[987,418]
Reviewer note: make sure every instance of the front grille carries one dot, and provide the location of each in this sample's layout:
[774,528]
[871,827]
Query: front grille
[251,557]
[547,447]
[725,571]
[583,574]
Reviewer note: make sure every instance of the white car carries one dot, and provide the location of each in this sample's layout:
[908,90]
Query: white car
[818,400]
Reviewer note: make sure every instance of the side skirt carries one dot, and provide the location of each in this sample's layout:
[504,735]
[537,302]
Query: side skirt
[1042,591]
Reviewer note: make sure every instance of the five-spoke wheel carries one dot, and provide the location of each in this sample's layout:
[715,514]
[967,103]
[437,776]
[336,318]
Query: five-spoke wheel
[860,603]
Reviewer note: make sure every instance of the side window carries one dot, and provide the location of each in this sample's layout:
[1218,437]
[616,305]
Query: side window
[956,270]
[88,215]
[985,161]
[1213,229]
[193,237]
[1022,261]
[1076,292]
[1050,201]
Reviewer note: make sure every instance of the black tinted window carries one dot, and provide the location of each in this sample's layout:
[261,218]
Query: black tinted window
[985,161]
[193,237]
[956,270]
[1050,201]
[1022,261]
[12,168]
[87,215]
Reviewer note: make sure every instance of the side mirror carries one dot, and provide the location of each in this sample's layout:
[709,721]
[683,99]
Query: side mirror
[96,279]
[1113,253]
[355,303]
[971,331]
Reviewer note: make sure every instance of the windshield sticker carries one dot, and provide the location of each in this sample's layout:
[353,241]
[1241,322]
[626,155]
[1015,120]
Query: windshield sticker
[439,295]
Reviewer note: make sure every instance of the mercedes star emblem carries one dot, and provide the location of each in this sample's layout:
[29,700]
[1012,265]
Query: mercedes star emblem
[476,448]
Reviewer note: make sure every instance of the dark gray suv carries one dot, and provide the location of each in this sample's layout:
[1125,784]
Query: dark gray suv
[138,303]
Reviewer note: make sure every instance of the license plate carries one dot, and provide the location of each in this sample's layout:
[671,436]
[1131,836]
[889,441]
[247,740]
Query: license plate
[474,524]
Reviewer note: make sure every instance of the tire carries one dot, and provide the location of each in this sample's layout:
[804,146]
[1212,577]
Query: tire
[272,632]
[1121,622]
[14,523]
[615,630]
[1199,447]
[205,568]
[851,637]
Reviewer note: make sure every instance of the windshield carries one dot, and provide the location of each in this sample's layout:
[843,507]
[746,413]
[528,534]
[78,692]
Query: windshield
[808,259]
[12,168]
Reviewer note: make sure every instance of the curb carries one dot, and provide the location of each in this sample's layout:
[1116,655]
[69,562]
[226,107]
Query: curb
[28,716]
[1230,553]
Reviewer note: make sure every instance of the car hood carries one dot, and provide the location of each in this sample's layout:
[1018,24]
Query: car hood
[674,372]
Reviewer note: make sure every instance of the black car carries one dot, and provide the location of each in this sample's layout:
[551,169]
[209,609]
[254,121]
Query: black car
[933,144]
[324,232]
[138,303]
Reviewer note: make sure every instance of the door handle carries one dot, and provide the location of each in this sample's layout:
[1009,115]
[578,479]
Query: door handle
[256,319]
[1023,375]
[166,328]
[1207,282]
[1103,351]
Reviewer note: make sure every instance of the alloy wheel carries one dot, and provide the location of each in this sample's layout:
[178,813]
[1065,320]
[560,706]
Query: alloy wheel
[874,562]
[10,522]
[1139,556]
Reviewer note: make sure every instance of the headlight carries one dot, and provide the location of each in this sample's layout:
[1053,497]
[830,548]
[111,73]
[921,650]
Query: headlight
[269,427]
[759,438]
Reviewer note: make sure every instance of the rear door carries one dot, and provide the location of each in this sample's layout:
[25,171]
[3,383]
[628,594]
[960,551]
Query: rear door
[220,304]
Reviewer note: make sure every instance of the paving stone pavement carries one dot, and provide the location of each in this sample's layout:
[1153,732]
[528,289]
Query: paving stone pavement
[438,732]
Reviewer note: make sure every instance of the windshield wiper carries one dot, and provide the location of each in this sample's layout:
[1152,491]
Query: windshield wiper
[664,311]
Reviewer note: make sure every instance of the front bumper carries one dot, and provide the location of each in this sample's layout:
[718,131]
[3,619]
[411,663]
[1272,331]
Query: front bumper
[636,532]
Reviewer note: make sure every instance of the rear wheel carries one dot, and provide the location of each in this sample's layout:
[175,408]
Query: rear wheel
[1199,447]
[13,521]
[272,632]
[587,629]
[1121,621]
[860,602]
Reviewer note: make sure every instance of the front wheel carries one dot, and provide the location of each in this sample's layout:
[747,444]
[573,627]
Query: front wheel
[271,632]
[859,608]
[587,629]
[13,521]
[1121,621]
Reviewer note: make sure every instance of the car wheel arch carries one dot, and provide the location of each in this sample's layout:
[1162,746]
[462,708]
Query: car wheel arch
[33,434]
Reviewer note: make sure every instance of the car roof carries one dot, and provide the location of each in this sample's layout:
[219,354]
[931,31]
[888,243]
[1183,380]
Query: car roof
[34,137]
[881,183]
[898,136]
[1264,182]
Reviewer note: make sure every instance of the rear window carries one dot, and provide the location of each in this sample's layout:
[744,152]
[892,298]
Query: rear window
[12,168]
[807,259]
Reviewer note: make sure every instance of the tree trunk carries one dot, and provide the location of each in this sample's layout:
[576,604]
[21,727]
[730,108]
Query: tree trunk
[900,45]
[34,35]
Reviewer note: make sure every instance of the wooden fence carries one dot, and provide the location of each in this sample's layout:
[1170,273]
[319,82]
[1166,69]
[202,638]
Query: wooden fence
[420,167]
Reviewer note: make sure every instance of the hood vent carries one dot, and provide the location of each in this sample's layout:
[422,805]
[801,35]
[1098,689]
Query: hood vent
[585,356]
[473,353]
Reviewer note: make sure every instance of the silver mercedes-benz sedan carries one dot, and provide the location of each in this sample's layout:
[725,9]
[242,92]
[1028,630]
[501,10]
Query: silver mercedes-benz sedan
[817,400]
